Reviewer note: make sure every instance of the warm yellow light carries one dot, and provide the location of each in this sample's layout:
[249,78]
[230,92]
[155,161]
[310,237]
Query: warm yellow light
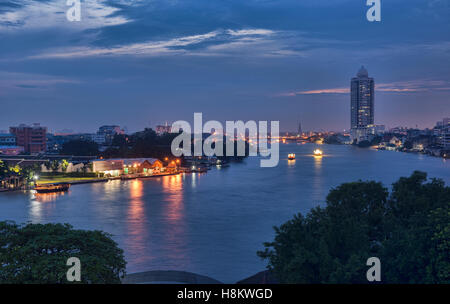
[318,152]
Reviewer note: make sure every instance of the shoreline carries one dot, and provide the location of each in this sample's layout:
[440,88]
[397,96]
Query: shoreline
[91,181]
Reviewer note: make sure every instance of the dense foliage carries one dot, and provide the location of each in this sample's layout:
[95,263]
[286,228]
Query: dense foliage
[408,229]
[148,144]
[140,144]
[27,173]
[4,170]
[37,253]
[80,148]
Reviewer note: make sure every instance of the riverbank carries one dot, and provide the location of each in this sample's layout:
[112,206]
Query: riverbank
[86,180]
[70,180]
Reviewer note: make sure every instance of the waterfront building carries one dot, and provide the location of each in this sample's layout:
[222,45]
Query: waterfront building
[362,93]
[376,129]
[108,167]
[32,138]
[119,166]
[442,131]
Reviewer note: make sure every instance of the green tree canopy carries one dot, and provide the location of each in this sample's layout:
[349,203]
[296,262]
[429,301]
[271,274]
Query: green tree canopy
[37,253]
[409,230]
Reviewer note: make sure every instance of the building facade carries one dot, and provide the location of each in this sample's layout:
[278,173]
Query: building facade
[362,96]
[7,139]
[108,132]
[162,129]
[11,150]
[442,131]
[32,138]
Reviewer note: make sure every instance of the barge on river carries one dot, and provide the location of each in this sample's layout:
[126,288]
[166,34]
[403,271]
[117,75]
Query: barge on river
[49,188]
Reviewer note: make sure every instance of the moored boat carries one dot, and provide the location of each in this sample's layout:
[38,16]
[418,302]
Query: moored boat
[49,188]
[291,156]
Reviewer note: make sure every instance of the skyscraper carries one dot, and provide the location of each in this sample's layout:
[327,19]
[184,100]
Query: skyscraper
[362,103]
[300,132]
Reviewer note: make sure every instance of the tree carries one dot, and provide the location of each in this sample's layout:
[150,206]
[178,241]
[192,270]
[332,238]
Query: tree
[54,165]
[37,253]
[4,170]
[64,165]
[409,230]
[80,148]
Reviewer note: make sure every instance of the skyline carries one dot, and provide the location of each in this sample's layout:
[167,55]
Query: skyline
[138,64]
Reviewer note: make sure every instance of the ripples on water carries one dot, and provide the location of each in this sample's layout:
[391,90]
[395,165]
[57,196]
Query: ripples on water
[213,223]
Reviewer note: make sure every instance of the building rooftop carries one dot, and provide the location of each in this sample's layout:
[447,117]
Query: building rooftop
[362,73]
[130,161]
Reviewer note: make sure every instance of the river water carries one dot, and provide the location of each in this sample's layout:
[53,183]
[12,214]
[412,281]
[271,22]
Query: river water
[213,224]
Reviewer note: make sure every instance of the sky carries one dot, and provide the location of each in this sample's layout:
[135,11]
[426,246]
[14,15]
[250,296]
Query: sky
[141,63]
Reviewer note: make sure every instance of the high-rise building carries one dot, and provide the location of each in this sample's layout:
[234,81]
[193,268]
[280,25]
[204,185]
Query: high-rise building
[300,132]
[442,131]
[32,138]
[362,104]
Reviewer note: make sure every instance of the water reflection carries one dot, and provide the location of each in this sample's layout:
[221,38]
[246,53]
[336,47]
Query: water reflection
[173,188]
[177,233]
[136,221]
[47,197]
[136,208]
[42,202]
[317,163]
[317,179]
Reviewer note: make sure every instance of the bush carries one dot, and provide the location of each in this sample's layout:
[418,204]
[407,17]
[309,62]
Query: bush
[37,253]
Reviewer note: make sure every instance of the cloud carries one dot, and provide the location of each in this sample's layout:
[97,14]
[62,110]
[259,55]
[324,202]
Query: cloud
[37,15]
[31,81]
[393,87]
[214,43]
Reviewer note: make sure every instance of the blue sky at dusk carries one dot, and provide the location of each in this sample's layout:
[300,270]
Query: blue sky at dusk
[141,63]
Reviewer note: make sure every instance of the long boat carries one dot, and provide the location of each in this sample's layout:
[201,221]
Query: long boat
[49,188]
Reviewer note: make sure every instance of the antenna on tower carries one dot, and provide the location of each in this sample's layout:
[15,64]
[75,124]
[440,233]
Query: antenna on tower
[300,132]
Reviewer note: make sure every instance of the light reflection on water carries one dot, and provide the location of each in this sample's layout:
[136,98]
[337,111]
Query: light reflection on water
[212,223]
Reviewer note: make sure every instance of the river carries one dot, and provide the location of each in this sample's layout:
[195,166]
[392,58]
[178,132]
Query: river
[213,224]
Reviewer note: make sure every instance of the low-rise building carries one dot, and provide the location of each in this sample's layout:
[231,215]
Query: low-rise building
[108,167]
[117,167]
[11,150]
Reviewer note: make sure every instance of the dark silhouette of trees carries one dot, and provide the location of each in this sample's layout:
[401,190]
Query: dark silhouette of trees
[80,148]
[408,229]
[38,253]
